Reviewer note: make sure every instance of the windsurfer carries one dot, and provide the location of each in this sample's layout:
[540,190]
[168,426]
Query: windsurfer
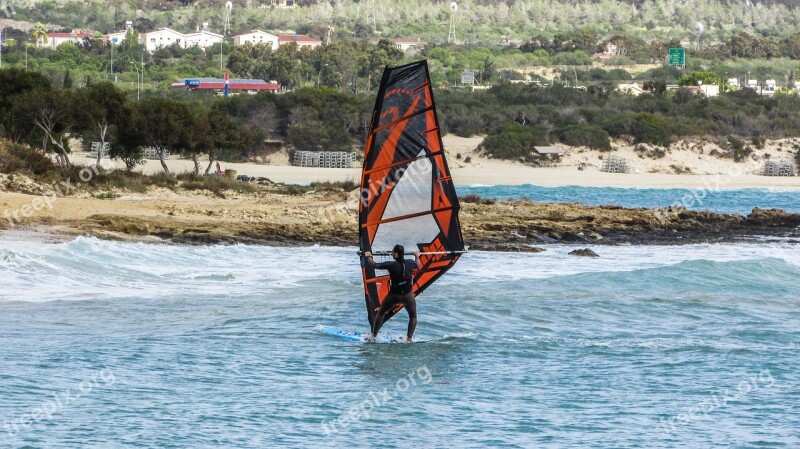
[401,279]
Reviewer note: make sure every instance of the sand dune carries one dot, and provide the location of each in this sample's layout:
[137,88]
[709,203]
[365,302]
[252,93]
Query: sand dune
[691,157]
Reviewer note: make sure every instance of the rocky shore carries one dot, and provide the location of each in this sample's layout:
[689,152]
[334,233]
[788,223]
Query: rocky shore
[329,218]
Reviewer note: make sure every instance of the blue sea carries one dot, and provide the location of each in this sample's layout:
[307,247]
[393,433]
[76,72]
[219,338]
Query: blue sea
[704,197]
[132,345]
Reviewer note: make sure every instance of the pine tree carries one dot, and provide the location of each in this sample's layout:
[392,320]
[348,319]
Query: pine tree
[67,80]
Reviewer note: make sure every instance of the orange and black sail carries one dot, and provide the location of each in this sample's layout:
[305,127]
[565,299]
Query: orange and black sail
[407,194]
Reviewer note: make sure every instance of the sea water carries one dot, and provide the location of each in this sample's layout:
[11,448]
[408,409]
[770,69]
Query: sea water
[705,197]
[110,345]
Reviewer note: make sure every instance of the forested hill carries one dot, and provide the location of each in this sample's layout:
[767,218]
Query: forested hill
[476,21]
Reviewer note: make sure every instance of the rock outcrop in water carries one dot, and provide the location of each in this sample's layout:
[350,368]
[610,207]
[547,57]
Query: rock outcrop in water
[585,252]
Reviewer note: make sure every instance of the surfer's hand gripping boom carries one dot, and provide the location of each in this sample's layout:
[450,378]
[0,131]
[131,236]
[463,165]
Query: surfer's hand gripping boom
[388,253]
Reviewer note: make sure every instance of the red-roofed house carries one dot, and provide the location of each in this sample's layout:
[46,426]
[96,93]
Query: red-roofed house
[301,40]
[56,39]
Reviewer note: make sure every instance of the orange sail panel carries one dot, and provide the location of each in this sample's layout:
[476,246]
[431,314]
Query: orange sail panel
[407,194]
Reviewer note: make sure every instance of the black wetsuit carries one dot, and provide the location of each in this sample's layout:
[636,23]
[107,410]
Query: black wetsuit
[400,291]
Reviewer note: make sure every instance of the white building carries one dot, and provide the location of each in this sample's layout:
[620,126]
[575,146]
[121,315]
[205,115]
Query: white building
[116,37]
[153,40]
[631,89]
[411,45]
[769,87]
[256,37]
[56,39]
[202,39]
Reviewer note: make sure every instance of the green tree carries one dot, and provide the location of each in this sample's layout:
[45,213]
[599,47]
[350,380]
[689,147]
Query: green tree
[51,113]
[160,123]
[67,80]
[99,107]
[39,33]
[14,82]
[225,133]
[695,78]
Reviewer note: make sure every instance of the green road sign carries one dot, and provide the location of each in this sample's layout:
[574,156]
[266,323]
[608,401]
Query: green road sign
[677,56]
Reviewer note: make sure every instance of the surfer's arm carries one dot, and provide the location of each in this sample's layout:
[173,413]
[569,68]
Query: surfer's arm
[371,262]
[416,258]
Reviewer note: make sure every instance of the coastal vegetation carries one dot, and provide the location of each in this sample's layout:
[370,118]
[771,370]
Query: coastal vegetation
[514,117]
[121,94]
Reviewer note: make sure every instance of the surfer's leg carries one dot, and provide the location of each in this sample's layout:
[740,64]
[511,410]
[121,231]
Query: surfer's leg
[411,307]
[389,303]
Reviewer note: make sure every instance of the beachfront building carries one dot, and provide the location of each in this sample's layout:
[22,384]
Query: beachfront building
[76,36]
[256,37]
[301,40]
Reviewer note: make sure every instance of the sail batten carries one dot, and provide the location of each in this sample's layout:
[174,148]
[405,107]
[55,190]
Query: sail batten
[408,196]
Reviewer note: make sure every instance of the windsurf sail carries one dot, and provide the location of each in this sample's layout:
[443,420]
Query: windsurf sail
[407,194]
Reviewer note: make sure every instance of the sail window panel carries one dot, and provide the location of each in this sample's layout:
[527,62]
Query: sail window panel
[412,193]
[410,233]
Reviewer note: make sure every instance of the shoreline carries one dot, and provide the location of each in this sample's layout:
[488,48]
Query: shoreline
[329,219]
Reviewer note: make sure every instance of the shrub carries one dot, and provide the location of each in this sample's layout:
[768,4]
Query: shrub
[649,128]
[292,189]
[740,152]
[643,127]
[15,158]
[591,136]
[218,185]
[514,141]
[336,186]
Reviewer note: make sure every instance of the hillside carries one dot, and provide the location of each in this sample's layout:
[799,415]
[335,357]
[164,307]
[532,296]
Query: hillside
[475,21]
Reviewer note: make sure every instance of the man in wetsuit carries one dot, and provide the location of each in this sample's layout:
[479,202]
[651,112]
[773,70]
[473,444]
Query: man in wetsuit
[400,288]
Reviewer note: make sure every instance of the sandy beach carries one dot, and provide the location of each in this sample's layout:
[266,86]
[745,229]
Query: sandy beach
[325,216]
[699,168]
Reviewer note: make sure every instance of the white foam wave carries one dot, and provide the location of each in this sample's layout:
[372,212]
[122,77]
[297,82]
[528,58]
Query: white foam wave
[88,268]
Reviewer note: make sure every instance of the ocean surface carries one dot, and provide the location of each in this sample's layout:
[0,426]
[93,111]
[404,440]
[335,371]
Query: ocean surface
[704,197]
[117,345]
